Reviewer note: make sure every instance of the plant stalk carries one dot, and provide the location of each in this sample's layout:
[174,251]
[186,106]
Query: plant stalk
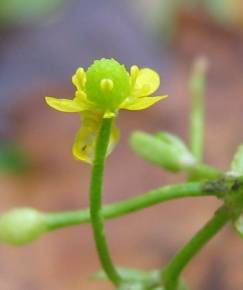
[197,89]
[172,272]
[96,187]
[58,220]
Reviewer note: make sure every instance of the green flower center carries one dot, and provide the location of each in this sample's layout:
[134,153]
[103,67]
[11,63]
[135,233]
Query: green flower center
[107,84]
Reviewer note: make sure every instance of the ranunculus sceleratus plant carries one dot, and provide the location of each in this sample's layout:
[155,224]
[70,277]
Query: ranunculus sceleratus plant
[101,92]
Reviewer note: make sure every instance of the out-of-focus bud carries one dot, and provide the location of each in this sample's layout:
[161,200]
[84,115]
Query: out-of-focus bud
[21,226]
[237,163]
[163,149]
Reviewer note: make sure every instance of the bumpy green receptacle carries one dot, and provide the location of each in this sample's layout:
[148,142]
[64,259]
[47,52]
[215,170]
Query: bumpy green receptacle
[112,70]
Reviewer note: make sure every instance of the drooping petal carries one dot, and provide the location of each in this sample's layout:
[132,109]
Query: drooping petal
[64,105]
[141,103]
[84,145]
[147,82]
[114,138]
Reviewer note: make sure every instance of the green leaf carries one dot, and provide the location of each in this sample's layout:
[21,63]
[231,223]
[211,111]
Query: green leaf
[132,286]
[134,279]
[128,274]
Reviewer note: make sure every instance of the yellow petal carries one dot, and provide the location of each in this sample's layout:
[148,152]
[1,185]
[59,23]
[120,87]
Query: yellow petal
[114,138]
[134,71]
[80,96]
[85,141]
[64,105]
[141,103]
[146,83]
[79,78]
[84,103]
[84,144]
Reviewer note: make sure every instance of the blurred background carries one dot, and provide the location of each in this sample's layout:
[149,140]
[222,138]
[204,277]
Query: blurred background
[42,42]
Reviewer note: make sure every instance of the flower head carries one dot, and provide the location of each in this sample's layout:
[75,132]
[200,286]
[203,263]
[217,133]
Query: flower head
[101,91]
[107,84]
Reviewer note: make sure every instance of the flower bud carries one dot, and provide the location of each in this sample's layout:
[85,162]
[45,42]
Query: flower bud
[107,84]
[163,149]
[21,226]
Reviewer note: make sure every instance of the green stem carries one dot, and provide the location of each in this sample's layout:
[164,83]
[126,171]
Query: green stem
[65,219]
[96,187]
[197,88]
[171,274]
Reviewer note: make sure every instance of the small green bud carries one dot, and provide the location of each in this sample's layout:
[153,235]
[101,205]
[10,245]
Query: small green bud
[237,163]
[163,149]
[107,83]
[21,226]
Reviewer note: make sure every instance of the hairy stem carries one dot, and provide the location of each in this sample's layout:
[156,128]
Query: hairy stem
[171,274]
[96,186]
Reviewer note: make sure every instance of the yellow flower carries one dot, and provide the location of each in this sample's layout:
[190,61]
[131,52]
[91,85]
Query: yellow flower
[101,91]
